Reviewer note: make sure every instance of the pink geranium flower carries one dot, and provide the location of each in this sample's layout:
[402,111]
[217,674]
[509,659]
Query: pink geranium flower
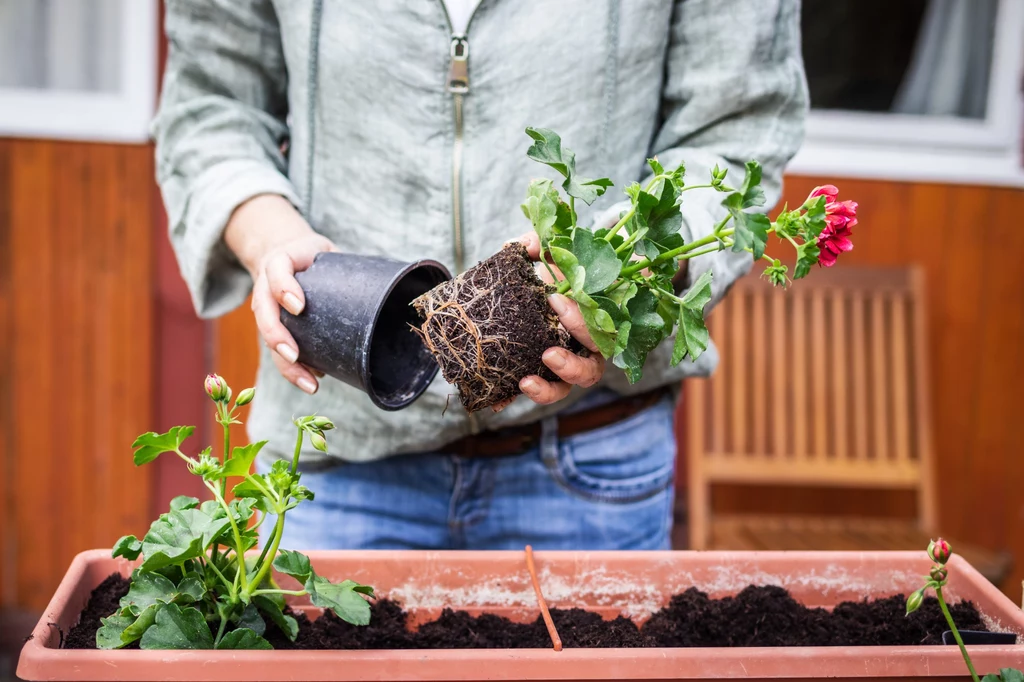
[840,217]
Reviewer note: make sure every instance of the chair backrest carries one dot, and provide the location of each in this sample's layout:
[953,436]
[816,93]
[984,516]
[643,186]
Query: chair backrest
[824,385]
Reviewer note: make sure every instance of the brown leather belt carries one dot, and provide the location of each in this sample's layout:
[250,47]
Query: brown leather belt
[518,439]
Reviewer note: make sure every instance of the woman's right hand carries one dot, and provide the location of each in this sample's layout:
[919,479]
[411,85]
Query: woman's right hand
[273,242]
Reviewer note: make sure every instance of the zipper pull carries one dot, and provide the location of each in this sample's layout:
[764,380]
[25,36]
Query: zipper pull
[458,68]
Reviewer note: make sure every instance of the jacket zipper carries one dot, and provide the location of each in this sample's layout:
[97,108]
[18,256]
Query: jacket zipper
[458,86]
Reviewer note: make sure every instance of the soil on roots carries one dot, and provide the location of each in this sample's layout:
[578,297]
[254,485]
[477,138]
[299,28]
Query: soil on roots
[489,326]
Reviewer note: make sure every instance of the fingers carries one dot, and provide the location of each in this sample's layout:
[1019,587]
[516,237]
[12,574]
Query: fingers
[532,243]
[268,319]
[295,373]
[543,392]
[280,274]
[571,318]
[572,369]
[502,405]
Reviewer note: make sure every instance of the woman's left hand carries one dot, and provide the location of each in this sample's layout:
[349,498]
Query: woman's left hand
[569,367]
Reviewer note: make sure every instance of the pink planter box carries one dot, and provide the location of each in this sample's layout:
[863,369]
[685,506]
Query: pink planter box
[629,583]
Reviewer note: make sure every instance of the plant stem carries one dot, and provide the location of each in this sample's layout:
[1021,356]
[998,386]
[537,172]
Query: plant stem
[290,593]
[668,255]
[225,421]
[572,210]
[239,554]
[220,629]
[298,448]
[627,242]
[956,633]
[618,226]
[228,583]
[265,568]
[687,188]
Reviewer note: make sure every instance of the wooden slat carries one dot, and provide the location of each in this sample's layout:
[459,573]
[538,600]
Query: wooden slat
[780,374]
[900,379]
[879,380]
[820,358]
[839,371]
[828,473]
[8,557]
[739,373]
[759,370]
[719,384]
[801,415]
[858,347]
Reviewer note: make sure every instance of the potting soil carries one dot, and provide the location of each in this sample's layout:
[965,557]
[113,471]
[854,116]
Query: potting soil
[756,617]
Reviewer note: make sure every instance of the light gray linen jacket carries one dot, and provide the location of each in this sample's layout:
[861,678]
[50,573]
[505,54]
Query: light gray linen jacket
[359,89]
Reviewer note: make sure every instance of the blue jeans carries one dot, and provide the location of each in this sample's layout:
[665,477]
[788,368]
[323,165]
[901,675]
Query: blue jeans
[610,488]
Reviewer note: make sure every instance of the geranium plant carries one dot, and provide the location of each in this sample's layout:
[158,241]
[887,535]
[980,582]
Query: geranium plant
[490,325]
[198,586]
[939,552]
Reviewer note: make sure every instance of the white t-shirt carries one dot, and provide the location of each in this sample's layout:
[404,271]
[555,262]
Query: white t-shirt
[459,12]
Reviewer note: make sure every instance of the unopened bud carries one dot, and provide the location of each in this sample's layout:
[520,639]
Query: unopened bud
[939,551]
[323,423]
[245,397]
[939,574]
[217,388]
[914,601]
[318,441]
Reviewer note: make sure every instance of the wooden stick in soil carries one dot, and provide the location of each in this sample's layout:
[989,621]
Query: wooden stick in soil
[556,641]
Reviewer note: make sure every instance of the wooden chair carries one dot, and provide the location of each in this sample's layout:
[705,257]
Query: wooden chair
[849,343]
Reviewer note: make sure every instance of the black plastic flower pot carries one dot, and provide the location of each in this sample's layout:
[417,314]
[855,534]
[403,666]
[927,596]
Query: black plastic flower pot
[357,325]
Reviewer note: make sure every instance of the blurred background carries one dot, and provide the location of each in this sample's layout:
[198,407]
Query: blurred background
[914,342]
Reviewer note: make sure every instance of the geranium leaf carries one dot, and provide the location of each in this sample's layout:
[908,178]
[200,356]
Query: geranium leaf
[151,445]
[252,620]
[241,459]
[294,564]
[243,638]
[692,335]
[647,330]
[184,502]
[597,258]
[275,612]
[178,536]
[145,620]
[129,547]
[751,190]
[178,628]
[342,598]
[146,589]
[108,636]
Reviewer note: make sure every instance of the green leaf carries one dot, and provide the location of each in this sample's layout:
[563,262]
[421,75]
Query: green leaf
[129,547]
[647,330]
[241,459]
[597,258]
[294,564]
[191,588]
[751,232]
[664,218]
[274,611]
[751,190]
[146,590]
[243,638]
[178,536]
[1011,675]
[541,208]
[692,336]
[547,149]
[184,502]
[342,598]
[108,636]
[178,628]
[569,267]
[806,258]
[247,489]
[604,322]
[991,677]
[252,620]
[656,166]
[145,621]
[151,445]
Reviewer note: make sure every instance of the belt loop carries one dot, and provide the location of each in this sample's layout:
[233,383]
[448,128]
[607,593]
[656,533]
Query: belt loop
[549,439]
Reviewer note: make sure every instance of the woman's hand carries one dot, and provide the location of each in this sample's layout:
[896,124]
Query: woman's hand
[569,367]
[273,242]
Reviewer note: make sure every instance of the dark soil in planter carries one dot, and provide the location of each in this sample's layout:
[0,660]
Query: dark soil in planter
[756,617]
[489,326]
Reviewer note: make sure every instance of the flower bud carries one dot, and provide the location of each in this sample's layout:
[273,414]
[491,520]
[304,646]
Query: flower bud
[938,574]
[323,423]
[914,601]
[939,551]
[318,441]
[245,397]
[217,388]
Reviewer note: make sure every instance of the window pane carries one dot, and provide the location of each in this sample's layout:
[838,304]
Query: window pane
[60,44]
[930,57]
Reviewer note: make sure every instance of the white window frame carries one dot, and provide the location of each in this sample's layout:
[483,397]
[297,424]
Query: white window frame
[931,148]
[91,116]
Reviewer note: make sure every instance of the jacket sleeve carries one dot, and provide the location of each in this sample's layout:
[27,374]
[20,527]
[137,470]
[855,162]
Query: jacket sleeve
[219,130]
[735,90]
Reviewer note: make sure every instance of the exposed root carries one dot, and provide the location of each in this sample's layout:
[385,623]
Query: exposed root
[489,326]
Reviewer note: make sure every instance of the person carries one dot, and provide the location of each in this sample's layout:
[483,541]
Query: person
[396,128]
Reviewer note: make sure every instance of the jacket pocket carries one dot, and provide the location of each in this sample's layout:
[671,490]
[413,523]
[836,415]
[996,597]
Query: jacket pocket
[629,461]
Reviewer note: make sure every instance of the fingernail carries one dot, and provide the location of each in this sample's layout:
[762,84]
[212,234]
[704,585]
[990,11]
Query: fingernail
[529,386]
[307,385]
[287,352]
[555,360]
[292,303]
[558,304]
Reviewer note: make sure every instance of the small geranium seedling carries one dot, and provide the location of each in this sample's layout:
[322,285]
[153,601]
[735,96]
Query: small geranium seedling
[198,586]
[489,327]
